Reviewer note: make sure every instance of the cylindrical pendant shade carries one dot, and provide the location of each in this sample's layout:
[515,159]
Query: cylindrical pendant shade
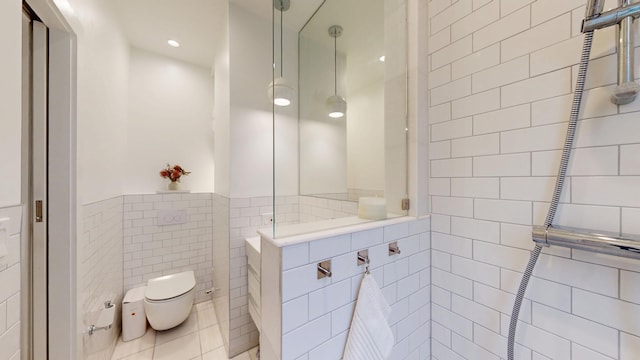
[337,106]
[280,92]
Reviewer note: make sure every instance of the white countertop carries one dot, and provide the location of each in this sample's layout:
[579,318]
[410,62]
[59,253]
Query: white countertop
[305,232]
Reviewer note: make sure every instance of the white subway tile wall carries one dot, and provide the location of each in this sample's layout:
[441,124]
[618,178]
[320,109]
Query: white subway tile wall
[10,284]
[502,75]
[152,250]
[317,313]
[316,209]
[100,269]
[221,264]
[244,217]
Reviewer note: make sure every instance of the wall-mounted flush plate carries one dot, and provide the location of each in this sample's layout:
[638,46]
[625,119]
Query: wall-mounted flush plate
[267,218]
[172,217]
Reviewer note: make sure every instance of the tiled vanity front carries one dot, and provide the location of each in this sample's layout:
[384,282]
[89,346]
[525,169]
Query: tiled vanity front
[304,317]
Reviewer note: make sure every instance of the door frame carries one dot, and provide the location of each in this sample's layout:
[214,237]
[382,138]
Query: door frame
[63,331]
[34,149]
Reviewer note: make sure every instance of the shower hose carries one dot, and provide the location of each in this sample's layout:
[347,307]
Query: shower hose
[557,191]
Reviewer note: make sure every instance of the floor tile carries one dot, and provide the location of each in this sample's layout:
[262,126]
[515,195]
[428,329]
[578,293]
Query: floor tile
[183,348]
[210,339]
[198,338]
[217,354]
[143,355]
[204,305]
[126,348]
[253,353]
[206,317]
[244,356]
[187,327]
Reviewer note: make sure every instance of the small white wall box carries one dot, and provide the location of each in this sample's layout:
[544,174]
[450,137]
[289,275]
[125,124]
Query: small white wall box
[134,318]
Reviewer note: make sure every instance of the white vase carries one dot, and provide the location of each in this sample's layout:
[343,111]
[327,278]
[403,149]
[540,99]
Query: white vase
[173,185]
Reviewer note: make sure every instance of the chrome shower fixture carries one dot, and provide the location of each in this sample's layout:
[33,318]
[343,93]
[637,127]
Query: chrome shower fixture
[623,16]
[595,241]
[594,8]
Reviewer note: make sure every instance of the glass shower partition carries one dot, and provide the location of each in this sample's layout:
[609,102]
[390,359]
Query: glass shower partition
[324,167]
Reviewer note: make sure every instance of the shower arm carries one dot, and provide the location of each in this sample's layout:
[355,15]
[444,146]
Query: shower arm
[611,17]
[623,15]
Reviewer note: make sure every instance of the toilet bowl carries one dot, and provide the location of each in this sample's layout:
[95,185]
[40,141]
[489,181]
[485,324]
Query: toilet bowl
[168,299]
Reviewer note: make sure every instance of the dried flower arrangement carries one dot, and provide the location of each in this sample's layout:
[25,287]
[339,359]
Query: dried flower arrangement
[173,173]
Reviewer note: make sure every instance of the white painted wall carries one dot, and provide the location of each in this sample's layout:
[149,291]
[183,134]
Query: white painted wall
[102,84]
[251,122]
[103,69]
[371,153]
[395,106]
[169,121]
[323,140]
[366,95]
[221,123]
[365,137]
[418,107]
[10,101]
[10,194]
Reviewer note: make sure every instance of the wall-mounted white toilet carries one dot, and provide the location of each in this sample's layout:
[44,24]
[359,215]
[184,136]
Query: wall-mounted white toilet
[168,299]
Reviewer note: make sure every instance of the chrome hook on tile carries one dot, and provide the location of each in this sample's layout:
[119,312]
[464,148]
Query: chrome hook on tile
[363,258]
[324,269]
[393,248]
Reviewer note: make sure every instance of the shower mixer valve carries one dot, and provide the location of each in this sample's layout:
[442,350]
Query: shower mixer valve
[622,16]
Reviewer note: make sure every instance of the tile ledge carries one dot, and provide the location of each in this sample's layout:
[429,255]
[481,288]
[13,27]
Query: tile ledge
[306,232]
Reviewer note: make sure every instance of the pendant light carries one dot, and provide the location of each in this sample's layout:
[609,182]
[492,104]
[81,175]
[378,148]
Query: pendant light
[336,104]
[280,91]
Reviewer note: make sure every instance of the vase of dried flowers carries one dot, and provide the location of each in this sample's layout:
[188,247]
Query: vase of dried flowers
[173,173]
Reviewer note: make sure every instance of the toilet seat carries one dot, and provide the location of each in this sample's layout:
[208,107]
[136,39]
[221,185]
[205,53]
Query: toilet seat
[170,286]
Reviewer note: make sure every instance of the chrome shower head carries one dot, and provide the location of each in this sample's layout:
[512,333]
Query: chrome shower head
[594,8]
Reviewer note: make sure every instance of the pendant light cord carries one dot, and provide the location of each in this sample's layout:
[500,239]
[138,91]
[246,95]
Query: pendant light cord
[281,43]
[335,64]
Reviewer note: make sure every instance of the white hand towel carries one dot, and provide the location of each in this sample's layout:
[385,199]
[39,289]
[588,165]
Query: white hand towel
[370,337]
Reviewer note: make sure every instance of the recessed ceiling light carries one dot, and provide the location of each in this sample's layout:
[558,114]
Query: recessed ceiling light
[173,43]
[381,58]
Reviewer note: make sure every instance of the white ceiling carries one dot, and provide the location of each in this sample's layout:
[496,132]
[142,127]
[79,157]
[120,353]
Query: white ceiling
[362,40]
[148,24]
[299,12]
[362,21]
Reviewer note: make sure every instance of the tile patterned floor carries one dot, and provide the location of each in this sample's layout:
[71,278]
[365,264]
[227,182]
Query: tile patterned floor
[198,338]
